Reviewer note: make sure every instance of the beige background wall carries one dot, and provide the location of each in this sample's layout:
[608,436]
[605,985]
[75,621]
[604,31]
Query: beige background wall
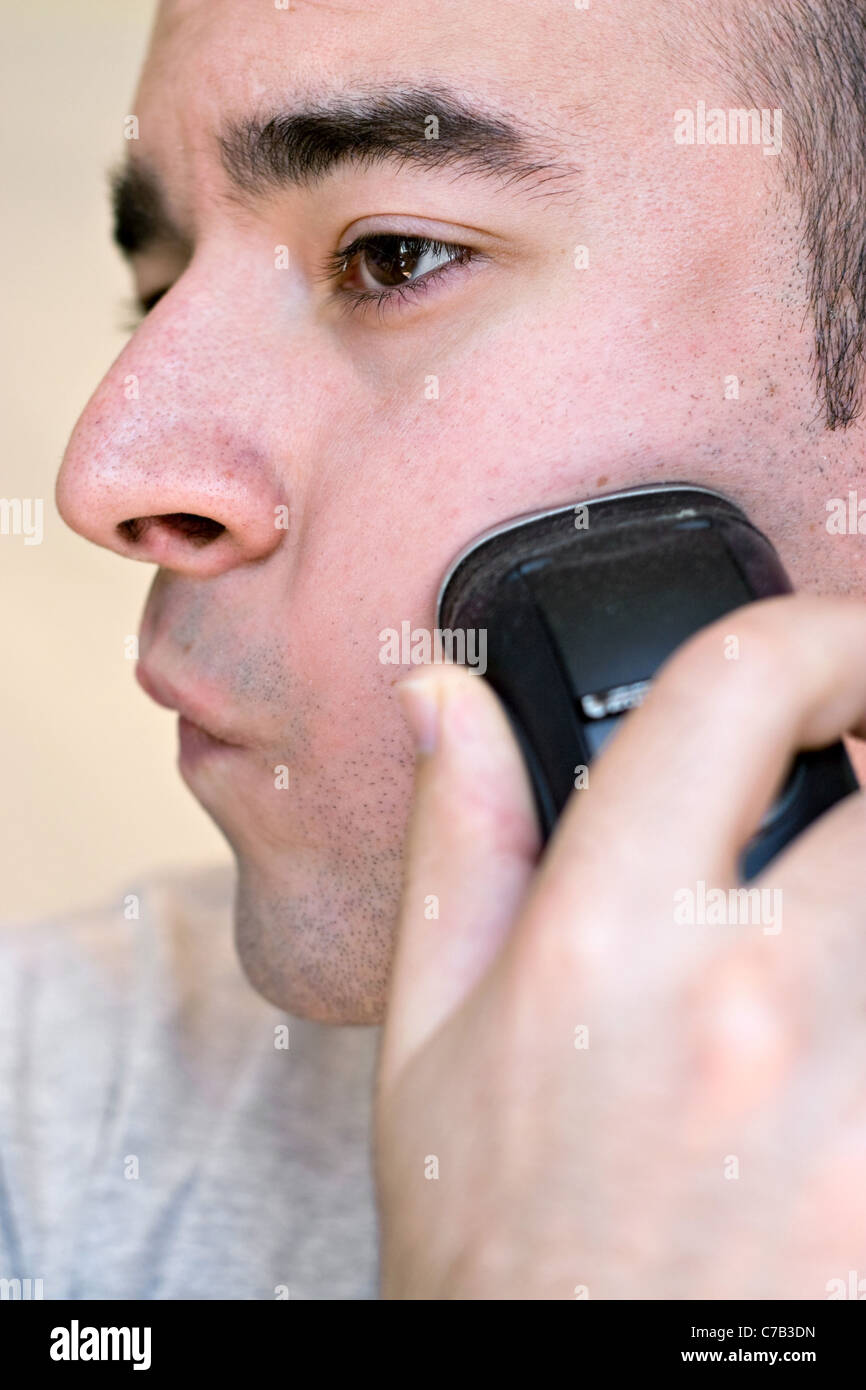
[90,795]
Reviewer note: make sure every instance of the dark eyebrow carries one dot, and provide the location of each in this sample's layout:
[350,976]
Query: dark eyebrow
[295,149]
[141,217]
[431,128]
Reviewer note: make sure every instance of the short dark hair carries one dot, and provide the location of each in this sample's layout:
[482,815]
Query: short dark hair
[808,58]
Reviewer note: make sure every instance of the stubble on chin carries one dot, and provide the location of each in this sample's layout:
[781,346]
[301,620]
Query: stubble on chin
[321,952]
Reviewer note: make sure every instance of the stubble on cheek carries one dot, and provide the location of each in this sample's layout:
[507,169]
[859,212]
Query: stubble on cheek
[315,810]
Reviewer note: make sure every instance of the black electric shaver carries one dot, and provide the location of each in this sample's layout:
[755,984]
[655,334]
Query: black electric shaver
[582,604]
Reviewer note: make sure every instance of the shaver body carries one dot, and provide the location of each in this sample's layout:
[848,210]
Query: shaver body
[582,604]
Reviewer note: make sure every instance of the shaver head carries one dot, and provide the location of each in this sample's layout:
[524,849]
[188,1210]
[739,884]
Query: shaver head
[581,605]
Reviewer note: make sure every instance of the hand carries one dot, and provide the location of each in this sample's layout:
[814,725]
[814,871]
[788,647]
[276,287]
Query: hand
[579,1095]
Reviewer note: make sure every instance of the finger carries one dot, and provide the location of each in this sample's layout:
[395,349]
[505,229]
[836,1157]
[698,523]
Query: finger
[678,791]
[791,982]
[819,883]
[472,845]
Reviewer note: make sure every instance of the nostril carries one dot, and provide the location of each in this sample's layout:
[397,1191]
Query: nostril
[201,530]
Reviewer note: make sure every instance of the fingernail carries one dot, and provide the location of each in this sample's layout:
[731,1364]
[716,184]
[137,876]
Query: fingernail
[421,708]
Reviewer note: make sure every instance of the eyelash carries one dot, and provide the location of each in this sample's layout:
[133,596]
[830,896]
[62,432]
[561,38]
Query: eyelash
[354,301]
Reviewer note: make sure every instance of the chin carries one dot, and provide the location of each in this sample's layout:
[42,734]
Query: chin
[321,950]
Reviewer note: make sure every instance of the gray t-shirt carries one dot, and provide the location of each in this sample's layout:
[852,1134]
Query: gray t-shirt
[155,1140]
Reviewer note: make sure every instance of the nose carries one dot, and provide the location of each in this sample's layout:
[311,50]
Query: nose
[164,464]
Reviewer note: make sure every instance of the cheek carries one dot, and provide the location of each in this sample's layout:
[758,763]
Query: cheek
[356,746]
[542,406]
[422,476]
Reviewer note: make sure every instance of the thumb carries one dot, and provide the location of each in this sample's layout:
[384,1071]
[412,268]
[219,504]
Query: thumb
[473,843]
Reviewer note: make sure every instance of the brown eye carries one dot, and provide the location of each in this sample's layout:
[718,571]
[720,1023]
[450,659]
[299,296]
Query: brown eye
[384,262]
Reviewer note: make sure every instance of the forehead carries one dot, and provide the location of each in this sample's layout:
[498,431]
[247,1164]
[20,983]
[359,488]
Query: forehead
[224,56]
[589,82]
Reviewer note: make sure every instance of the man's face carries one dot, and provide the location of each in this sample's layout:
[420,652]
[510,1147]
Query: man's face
[342,449]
